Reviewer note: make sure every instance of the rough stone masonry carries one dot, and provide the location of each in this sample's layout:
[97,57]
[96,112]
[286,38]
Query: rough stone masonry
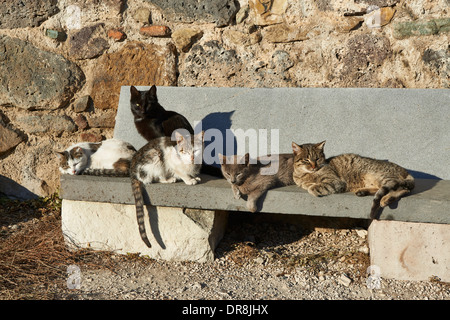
[62,62]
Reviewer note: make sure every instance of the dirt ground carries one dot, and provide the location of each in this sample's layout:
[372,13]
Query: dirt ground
[261,257]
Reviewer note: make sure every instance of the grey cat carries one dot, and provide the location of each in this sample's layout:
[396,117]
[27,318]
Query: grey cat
[166,161]
[254,179]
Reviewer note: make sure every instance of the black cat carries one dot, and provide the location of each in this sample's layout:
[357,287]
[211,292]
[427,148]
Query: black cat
[153,121]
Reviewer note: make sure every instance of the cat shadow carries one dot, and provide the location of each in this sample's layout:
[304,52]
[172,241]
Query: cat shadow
[218,137]
[153,220]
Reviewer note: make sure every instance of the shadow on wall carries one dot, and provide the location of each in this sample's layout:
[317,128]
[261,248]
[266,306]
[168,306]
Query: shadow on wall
[14,190]
[217,137]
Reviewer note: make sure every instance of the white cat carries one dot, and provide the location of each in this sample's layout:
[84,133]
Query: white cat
[166,161]
[110,156]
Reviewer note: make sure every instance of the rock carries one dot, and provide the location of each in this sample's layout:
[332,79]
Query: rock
[439,63]
[8,138]
[407,29]
[239,38]
[116,34]
[203,59]
[219,12]
[91,137]
[88,43]
[142,15]
[155,31]
[379,17]
[81,122]
[22,14]
[242,14]
[82,104]
[137,64]
[347,24]
[184,38]
[283,33]
[56,34]
[362,233]
[105,120]
[210,64]
[267,12]
[344,280]
[46,124]
[47,80]
[365,53]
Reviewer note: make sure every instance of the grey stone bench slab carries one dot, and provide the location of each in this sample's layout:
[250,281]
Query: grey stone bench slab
[406,126]
[429,202]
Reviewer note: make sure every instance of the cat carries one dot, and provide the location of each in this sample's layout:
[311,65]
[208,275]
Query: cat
[108,157]
[364,176]
[249,179]
[151,119]
[166,161]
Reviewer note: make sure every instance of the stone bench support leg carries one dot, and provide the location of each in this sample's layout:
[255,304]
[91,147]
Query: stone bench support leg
[410,251]
[176,234]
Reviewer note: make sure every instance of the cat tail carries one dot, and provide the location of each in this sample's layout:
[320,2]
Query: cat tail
[136,185]
[398,187]
[106,172]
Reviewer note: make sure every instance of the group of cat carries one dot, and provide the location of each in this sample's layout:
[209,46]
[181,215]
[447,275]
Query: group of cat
[165,160]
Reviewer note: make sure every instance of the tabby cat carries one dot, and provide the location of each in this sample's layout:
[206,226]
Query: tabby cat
[349,172]
[166,161]
[250,179]
[108,157]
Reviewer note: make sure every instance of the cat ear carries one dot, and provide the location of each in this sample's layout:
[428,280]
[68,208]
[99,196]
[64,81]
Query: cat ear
[178,137]
[134,92]
[60,154]
[320,145]
[247,159]
[222,158]
[152,91]
[199,136]
[296,148]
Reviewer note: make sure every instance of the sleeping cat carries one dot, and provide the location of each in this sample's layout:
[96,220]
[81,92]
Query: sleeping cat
[349,172]
[250,179]
[151,119]
[109,157]
[166,161]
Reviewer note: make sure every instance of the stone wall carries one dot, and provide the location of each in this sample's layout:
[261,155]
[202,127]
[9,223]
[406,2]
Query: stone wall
[62,62]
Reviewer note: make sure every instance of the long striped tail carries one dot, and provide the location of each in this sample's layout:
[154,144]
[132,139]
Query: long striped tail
[106,172]
[390,192]
[136,185]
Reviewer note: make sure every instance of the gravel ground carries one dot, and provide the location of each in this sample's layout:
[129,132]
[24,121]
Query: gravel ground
[259,259]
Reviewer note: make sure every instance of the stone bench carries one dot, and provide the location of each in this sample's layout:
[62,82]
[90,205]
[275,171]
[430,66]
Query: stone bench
[406,126]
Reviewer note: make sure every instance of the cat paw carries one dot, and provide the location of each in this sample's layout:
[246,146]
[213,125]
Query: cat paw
[170,180]
[191,182]
[198,179]
[237,196]
[251,207]
[317,191]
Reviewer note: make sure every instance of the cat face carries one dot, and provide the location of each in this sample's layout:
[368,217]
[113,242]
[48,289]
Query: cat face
[308,157]
[190,150]
[141,101]
[73,161]
[235,168]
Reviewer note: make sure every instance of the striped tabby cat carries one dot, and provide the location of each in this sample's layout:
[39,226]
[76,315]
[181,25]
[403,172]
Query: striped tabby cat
[349,172]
